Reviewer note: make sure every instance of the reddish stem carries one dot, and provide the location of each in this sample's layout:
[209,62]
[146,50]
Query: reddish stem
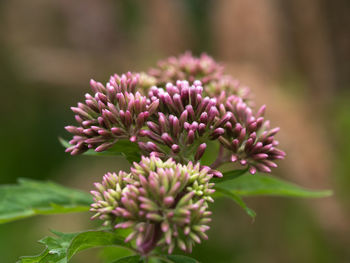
[153,234]
[220,159]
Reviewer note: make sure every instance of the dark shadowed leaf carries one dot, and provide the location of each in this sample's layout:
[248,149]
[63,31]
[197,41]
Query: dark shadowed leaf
[31,197]
[126,148]
[210,153]
[229,176]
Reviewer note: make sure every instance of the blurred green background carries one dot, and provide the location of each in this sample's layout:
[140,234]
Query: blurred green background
[294,54]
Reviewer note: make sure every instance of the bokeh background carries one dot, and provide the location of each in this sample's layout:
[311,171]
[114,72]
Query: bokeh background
[294,54]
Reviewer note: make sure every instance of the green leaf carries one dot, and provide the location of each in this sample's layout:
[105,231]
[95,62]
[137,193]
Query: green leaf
[210,153]
[110,254]
[238,201]
[126,148]
[130,259]
[64,142]
[255,185]
[30,197]
[180,259]
[61,248]
[228,176]
[92,239]
[55,249]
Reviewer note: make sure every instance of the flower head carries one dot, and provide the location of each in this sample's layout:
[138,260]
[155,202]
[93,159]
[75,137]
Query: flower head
[202,68]
[108,194]
[248,137]
[187,67]
[115,111]
[171,114]
[186,119]
[227,86]
[163,202]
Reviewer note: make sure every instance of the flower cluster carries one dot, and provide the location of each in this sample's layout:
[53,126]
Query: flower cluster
[227,86]
[186,119]
[187,67]
[203,68]
[248,137]
[177,119]
[115,111]
[163,202]
[170,114]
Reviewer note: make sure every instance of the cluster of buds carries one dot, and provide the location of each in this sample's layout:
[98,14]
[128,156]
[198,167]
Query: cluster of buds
[248,137]
[187,67]
[163,202]
[171,114]
[108,195]
[227,86]
[185,121]
[203,68]
[117,111]
[177,119]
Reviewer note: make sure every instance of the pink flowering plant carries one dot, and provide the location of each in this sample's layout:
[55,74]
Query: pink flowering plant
[191,135]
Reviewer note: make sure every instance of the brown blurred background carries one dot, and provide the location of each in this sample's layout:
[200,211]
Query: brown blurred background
[294,54]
